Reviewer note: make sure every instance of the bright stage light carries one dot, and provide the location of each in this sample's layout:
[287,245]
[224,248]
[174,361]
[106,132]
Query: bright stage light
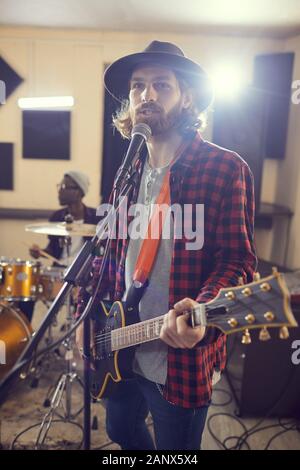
[46,102]
[228,81]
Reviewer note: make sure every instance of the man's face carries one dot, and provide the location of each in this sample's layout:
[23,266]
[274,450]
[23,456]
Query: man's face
[68,191]
[155,98]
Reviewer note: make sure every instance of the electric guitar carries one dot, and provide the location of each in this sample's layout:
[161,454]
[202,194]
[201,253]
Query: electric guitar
[261,304]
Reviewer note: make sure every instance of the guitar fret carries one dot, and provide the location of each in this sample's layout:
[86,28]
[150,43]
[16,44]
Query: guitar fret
[138,333]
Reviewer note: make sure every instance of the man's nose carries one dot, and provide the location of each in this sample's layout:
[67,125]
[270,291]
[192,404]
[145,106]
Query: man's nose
[149,93]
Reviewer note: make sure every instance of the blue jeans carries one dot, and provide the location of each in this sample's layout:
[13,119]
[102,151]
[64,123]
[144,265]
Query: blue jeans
[175,428]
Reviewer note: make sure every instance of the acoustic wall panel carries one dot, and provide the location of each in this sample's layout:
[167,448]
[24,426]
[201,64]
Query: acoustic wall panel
[9,76]
[46,134]
[6,165]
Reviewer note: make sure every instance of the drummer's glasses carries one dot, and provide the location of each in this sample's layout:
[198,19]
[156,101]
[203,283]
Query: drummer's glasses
[64,187]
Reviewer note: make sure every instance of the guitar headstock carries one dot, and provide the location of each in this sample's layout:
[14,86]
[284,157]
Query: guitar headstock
[262,304]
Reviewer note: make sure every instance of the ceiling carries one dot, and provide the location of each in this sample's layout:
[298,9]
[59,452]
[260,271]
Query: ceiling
[273,18]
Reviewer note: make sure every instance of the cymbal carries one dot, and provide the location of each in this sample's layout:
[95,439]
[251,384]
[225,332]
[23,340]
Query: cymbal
[62,229]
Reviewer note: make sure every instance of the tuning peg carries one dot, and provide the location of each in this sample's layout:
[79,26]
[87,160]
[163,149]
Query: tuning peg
[284,333]
[274,270]
[265,287]
[269,316]
[256,276]
[23,375]
[232,322]
[250,318]
[246,339]
[247,292]
[230,295]
[241,281]
[264,335]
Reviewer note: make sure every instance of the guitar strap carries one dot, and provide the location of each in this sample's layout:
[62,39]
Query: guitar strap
[149,248]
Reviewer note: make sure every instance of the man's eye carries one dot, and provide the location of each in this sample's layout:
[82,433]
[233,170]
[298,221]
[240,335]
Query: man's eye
[163,85]
[136,86]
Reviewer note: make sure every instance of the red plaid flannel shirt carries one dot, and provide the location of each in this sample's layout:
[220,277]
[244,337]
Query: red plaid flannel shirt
[222,181]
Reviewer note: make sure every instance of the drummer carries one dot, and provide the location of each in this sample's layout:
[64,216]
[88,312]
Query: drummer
[71,190]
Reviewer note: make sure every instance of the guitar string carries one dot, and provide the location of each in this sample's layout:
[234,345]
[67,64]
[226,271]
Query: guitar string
[137,328]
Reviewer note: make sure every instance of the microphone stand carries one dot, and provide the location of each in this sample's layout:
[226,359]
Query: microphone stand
[77,275]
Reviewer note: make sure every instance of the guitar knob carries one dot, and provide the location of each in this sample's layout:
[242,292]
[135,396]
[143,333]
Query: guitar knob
[284,333]
[264,335]
[246,339]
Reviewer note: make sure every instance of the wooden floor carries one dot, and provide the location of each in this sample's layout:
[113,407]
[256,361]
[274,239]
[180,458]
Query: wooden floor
[24,408]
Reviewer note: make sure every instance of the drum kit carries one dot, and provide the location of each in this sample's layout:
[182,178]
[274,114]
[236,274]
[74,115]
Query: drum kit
[30,281]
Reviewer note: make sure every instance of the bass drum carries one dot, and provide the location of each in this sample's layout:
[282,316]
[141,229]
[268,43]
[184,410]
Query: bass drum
[15,333]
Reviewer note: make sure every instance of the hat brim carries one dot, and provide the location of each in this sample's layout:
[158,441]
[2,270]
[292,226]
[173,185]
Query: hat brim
[118,74]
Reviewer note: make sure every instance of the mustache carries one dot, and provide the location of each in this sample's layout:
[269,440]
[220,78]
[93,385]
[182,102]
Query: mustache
[150,106]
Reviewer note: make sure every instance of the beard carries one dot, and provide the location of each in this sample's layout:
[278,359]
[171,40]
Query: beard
[157,119]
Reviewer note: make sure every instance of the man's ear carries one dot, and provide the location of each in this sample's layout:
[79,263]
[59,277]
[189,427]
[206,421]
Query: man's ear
[187,98]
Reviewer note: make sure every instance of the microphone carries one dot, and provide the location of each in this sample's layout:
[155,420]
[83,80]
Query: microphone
[140,134]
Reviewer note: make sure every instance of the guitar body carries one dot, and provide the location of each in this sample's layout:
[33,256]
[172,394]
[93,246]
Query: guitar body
[110,367]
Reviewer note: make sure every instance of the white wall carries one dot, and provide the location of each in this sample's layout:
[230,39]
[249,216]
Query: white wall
[52,66]
[57,62]
[54,62]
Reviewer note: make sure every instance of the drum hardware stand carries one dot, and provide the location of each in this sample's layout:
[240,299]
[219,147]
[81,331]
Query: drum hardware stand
[65,382]
[43,364]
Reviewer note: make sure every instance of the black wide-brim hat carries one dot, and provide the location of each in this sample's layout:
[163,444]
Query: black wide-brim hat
[117,75]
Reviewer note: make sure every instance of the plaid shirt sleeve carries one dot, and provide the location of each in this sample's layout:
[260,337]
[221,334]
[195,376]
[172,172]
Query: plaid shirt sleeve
[234,256]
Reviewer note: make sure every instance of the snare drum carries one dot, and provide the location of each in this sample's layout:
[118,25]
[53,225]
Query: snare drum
[51,281]
[19,280]
[15,333]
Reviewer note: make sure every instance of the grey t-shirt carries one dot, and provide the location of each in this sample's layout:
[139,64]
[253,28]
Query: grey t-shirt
[151,358]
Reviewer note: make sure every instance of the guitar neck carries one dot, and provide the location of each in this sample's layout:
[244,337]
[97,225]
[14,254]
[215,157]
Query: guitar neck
[260,304]
[135,334]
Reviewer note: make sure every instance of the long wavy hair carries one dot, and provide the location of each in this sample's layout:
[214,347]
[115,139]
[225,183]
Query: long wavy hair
[192,118]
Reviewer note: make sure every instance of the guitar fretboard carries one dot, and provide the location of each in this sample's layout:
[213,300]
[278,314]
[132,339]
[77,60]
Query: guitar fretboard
[138,333]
